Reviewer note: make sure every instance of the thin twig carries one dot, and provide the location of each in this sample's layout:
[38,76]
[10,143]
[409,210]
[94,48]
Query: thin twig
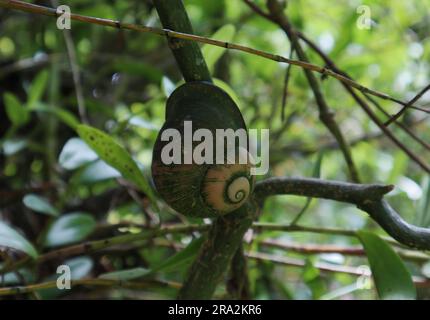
[71,52]
[150,233]
[325,114]
[97,245]
[366,108]
[285,89]
[264,226]
[309,248]
[405,128]
[89,282]
[31,8]
[350,90]
[360,102]
[29,63]
[410,103]
[325,267]
[301,263]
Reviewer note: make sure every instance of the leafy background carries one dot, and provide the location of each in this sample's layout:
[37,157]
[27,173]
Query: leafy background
[56,190]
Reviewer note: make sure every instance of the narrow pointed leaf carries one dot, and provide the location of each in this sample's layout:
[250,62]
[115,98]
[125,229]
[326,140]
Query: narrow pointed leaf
[10,238]
[39,204]
[392,279]
[17,113]
[37,88]
[69,228]
[116,156]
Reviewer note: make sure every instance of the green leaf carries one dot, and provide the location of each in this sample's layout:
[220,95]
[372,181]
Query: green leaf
[116,156]
[75,154]
[392,278]
[12,278]
[63,115]
[98,171]
[18,114]
[311,276]
[211,53]
[12,239]
[183,257]
[37,88]
[69,228]
[12,146]
[80,267]
[39,204]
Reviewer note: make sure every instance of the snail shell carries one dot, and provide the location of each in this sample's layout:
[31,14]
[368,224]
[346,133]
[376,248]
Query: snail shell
[202,190]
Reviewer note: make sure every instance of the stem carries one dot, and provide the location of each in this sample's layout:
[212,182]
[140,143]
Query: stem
[325,267]
[28,7]
[368,198]
[366,108]
[226,233]
[325,114]
[187,54]
[73,61]
[350,88]
[413,100]
[238,283]
[97,245]
[318,188]
[89,282]
[223,241]
[309,249]
[89,247]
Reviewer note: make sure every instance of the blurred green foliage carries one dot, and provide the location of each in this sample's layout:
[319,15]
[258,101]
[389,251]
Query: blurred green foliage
[126,78]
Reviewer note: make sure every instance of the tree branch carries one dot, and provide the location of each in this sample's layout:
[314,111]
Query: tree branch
[96,245]
[89,282]
[226,233]
[325,267]
[187,54]
[366,108]
[35,9]
[350,89]
[224,238]
[317,188]
[407,106]
[367,197]
[309,248]
[325,114]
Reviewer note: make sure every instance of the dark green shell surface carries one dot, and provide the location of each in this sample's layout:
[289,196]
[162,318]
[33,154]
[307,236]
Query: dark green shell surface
[209,107]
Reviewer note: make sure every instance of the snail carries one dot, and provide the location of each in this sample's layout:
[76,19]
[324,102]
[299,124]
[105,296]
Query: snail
[196,188]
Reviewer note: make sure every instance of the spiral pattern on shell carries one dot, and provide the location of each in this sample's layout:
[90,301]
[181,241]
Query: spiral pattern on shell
[238,189]
[226,187]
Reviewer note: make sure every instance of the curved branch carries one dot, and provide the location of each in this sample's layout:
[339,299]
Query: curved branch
[226,233]
[367,197]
